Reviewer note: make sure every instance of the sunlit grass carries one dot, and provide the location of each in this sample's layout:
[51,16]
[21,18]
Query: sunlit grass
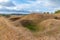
[1,27]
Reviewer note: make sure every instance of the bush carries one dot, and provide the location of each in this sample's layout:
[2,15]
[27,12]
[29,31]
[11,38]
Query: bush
[55,17]
[5,15]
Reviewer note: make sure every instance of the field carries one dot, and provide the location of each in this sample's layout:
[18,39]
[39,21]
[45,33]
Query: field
[35,26]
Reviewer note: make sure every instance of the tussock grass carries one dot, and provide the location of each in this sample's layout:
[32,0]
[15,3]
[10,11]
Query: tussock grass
[31,27]
[29,24]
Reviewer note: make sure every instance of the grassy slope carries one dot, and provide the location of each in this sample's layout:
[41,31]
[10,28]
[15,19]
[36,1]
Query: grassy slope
[10,32]
[46,23]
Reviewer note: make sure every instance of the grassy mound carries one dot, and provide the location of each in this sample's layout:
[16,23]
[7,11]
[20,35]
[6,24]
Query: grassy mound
[31,21]
[51,26]
[29,24]
[9,32]
[36,18]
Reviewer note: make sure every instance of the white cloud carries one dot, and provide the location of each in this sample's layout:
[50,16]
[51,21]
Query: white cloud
[4,0]
[0,6]
[7,3]
[32,6]
[55,9]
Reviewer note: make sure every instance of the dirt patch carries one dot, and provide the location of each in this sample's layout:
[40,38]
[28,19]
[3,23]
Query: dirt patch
[14,19]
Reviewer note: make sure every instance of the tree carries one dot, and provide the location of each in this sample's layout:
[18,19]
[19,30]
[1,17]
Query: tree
[58,11]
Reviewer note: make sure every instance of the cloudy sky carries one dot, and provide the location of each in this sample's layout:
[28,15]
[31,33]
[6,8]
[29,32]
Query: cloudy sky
[29,5]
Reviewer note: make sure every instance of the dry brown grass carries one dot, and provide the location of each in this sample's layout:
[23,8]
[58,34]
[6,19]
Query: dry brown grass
[48,27]
[14,18]
[51,31]
[36,18]
[10,32]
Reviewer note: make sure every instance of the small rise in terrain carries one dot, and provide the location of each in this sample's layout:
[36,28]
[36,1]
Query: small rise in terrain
[30,27]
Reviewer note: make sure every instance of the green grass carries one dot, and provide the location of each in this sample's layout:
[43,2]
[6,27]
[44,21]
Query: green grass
[35,28]
[31,27]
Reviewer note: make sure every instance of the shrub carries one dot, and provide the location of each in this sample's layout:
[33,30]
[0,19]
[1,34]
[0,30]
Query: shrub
[58,11]
[14,19]
[55,17]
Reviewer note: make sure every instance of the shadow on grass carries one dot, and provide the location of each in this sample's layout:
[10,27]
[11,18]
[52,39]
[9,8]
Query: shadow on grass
[29,24]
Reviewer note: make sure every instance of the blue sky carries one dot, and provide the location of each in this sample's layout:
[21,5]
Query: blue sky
[29,5]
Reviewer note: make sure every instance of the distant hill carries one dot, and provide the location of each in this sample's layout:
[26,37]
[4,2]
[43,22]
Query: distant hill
[13,11]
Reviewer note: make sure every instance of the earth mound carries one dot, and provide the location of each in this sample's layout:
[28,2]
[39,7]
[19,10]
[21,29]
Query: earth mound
[34,18]
[10,32]
[48,27]
[51,30]
[37,17]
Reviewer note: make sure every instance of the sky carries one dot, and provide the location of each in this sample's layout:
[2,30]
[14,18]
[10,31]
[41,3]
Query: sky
[29,5]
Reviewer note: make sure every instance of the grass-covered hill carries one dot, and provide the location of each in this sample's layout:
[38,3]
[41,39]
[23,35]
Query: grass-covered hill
[35,26]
